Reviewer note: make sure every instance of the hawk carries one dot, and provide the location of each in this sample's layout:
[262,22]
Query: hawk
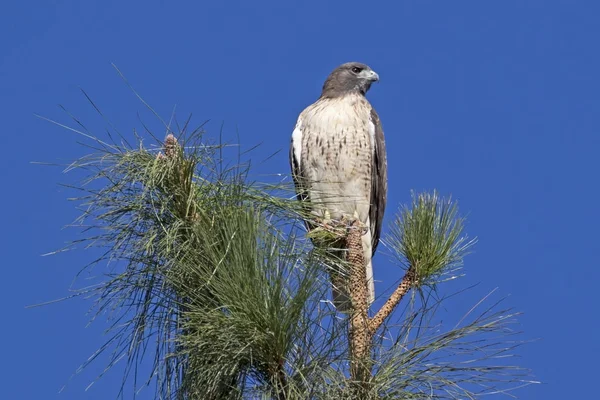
[338,161]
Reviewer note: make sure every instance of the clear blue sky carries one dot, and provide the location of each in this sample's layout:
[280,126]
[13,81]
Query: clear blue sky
[494,102]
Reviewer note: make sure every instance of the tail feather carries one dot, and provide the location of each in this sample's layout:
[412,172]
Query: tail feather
[340,293]
[370,283]
[367,254]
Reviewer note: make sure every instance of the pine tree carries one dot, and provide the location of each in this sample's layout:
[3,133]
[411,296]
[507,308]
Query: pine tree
[215,272]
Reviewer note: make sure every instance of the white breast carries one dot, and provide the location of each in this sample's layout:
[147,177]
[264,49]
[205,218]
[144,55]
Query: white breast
[336,152]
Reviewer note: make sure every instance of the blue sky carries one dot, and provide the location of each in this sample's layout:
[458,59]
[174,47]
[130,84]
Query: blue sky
[493,102]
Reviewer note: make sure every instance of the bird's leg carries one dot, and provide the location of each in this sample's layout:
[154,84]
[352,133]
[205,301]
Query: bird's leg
[327,230]
[352,224]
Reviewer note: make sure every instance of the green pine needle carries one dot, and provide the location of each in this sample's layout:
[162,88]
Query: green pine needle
[212,276]
[428,237]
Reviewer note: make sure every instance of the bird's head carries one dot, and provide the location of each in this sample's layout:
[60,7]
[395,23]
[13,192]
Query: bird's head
[352,77]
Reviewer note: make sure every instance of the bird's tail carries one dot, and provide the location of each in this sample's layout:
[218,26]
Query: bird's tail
[370,283]
[340,293]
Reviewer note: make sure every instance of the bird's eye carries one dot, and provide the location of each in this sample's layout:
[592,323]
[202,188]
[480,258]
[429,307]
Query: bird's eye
[356,70]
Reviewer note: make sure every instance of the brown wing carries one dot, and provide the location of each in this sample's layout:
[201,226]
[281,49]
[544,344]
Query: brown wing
[378,182]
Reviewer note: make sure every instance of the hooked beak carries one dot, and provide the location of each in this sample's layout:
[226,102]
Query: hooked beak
[370,75]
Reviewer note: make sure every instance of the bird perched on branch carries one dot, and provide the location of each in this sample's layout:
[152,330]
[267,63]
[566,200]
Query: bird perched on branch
[338,162]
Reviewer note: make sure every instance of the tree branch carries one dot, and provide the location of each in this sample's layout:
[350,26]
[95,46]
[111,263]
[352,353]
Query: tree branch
[360,338]
[407,282]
